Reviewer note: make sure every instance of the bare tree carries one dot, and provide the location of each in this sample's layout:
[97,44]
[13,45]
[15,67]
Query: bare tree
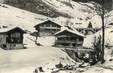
[103,31]
[100,10]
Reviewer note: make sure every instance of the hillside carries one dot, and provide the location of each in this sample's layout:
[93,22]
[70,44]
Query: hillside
[55,8]
[14,16]
[69,13]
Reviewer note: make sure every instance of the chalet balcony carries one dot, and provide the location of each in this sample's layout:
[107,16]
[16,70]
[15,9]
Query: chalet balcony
[59,41]
[49,28]
[66,41]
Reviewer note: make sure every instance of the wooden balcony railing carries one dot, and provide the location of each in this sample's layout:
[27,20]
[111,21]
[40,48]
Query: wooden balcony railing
[64,41]
[49,28]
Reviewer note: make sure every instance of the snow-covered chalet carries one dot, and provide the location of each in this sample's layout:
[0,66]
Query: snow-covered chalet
[47,28]
[69,38]
[11,37]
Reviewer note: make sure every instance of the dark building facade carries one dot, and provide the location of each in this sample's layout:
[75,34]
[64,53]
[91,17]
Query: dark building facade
[11,38]
[47,28]
[69,38]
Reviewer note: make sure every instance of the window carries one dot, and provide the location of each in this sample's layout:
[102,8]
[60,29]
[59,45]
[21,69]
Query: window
[48,25]
[15,38]
[16,35]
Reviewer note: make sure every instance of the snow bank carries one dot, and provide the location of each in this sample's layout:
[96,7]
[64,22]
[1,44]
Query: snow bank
[19,61]
[82,12]
[89,41]
[98,70]
[46,40]
[26,60]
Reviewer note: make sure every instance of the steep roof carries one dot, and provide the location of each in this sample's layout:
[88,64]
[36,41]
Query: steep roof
[71,31]
[5,29]
[47,21]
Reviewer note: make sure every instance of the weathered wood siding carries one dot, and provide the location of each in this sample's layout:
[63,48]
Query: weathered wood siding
[3,39]
[48,29]
[15,40]
[12,39]
[14,46]
[67,39]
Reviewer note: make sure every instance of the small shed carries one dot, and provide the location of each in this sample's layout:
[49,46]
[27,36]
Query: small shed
[47,28]
[11,38]
[69,38]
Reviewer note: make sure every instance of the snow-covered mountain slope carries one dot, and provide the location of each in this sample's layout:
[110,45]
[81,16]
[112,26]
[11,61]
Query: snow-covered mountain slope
[81,12]
[13,16]
[73,10]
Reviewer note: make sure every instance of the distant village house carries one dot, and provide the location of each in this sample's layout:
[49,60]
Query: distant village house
[86,29]
[69,38]
[11,38]
[47,28]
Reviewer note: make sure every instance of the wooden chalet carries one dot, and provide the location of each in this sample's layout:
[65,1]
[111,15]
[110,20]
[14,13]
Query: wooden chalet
[69,38]
[11,38]
[47,28]
[87,29]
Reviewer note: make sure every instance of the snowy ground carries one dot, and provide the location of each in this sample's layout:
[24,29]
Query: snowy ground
[46,41]
[29,59]
[26,60]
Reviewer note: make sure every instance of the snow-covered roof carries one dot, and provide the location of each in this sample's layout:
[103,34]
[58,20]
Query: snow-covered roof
[71,31]
[46,21]
[4,29]
[10,15]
